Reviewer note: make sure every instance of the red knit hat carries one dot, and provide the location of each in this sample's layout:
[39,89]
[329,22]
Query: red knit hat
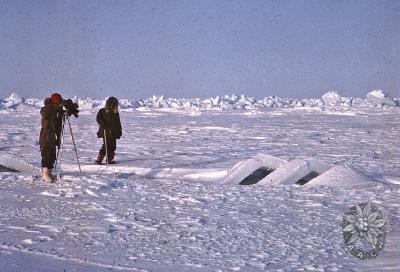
[56,98]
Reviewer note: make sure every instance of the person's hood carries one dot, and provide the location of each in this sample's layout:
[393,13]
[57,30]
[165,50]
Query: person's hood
[111,104]
[47,101]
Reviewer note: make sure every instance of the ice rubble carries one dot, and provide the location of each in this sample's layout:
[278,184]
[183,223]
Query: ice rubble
[333,99]
[311,172]
[375,98]
[379,98]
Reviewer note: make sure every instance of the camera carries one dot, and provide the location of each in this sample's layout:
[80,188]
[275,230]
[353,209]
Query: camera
[70,107]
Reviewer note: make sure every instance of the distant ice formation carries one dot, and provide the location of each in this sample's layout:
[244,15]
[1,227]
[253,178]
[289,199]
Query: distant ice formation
[331,99]
[379,98]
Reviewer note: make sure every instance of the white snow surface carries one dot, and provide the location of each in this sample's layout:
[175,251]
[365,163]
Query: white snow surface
[165,205]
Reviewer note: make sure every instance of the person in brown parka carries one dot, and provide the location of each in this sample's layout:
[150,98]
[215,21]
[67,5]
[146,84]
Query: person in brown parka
[50,134]
[110,129]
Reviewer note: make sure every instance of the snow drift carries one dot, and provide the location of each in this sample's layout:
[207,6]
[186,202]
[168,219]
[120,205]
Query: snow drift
[262,169]
[18,165]
[375,98]
[251,171]
[310,172]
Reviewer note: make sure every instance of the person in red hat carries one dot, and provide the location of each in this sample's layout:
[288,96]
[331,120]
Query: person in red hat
[50,134]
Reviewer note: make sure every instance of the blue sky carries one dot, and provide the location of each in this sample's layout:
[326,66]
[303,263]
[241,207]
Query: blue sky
[199,48]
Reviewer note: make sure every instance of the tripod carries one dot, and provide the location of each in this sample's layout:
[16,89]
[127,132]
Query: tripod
[58,157]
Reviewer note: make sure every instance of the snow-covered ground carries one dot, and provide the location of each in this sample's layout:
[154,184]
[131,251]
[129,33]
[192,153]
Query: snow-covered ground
[163,207]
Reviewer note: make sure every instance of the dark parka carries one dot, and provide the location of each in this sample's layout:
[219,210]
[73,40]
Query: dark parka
[51,125]
[109,120]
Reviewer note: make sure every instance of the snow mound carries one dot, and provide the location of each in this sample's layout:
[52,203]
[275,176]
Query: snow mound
[18,165]
[341,176]
[331,99]
[268,170]
[296,171]
[246,168]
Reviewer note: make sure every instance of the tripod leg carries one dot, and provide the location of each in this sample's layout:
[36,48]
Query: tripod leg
[61,144]
[58,158]
[105,144]
[58,169]
[73,141]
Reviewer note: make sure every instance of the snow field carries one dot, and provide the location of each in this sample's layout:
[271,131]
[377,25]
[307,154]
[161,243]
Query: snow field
[160,210]
[161,224]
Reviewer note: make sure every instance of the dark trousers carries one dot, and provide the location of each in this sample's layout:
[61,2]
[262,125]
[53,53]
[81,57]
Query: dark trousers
[111,146]
[48,156]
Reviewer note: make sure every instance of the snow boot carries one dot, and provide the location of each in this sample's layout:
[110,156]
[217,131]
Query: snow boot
[47,176]
[100,158]
[111,159]
[53,177]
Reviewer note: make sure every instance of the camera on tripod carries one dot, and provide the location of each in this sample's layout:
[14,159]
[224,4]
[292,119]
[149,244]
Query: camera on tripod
[70,107]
